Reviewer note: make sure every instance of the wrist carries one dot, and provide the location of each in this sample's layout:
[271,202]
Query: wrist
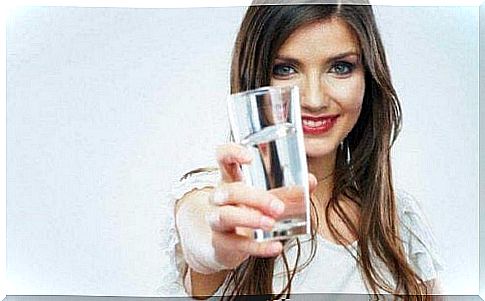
[196,235]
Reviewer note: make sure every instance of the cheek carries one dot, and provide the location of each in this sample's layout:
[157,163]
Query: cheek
[350,98]
[349,94]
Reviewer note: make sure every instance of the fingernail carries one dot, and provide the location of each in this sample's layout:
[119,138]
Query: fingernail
[277,206]
[266,222]
[220,196]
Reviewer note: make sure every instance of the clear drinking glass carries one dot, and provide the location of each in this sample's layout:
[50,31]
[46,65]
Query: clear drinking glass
[267,121]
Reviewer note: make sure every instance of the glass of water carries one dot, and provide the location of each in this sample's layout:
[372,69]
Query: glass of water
[267,121]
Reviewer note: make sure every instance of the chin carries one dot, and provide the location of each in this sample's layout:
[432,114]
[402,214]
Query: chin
[314,149]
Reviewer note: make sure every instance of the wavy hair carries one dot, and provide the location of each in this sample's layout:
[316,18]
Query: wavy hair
[367,181]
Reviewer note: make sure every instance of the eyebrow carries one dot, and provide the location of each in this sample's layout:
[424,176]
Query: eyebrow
[332,58]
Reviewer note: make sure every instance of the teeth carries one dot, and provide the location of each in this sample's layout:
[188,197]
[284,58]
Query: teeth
[319,123]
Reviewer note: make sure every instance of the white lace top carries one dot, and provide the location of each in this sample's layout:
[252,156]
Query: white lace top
[332,270]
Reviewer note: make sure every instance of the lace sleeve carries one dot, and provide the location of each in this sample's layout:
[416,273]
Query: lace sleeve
[419,242]
[174,266]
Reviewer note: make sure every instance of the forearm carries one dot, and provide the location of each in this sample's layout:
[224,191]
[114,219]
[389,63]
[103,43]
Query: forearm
[203,286]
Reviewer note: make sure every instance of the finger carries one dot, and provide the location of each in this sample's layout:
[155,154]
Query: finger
[227,218]
[238,246]
[233,153]
[312,182]
[229,158]
[238,193]
[260,249]
[288,193]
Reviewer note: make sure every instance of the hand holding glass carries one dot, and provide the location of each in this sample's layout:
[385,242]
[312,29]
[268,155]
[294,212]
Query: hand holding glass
[267,121]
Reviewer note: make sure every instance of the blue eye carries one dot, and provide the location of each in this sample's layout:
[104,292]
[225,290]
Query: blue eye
[283,70]
[342,68]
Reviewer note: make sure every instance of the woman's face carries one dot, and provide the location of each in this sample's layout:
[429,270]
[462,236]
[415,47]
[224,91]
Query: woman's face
[323,60]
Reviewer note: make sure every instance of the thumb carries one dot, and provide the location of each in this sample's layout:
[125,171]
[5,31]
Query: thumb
[229,158]
[312,182]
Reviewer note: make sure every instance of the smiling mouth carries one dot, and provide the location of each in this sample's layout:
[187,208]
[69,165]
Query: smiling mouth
[318,125]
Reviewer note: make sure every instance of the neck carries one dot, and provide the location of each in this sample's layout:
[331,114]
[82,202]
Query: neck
[322,168]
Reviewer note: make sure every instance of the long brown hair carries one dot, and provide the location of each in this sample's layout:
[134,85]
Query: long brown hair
[367,181]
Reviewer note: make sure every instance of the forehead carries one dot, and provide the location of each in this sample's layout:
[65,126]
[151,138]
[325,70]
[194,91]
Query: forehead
[327,37]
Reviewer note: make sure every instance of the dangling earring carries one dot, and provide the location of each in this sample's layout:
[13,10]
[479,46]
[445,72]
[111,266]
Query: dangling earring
[345,149]
[348,158]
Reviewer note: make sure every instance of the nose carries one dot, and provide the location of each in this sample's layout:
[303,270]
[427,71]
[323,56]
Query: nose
[313,94]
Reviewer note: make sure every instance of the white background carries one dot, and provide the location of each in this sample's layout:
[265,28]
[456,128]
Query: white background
[106,107]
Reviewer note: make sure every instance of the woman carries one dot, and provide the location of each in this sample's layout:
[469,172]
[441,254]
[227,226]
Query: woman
[366,239]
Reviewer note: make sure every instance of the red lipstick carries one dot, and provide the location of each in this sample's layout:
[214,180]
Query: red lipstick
[317,125]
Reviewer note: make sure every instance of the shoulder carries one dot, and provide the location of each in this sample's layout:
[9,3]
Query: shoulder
[417,235]
[412,216]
